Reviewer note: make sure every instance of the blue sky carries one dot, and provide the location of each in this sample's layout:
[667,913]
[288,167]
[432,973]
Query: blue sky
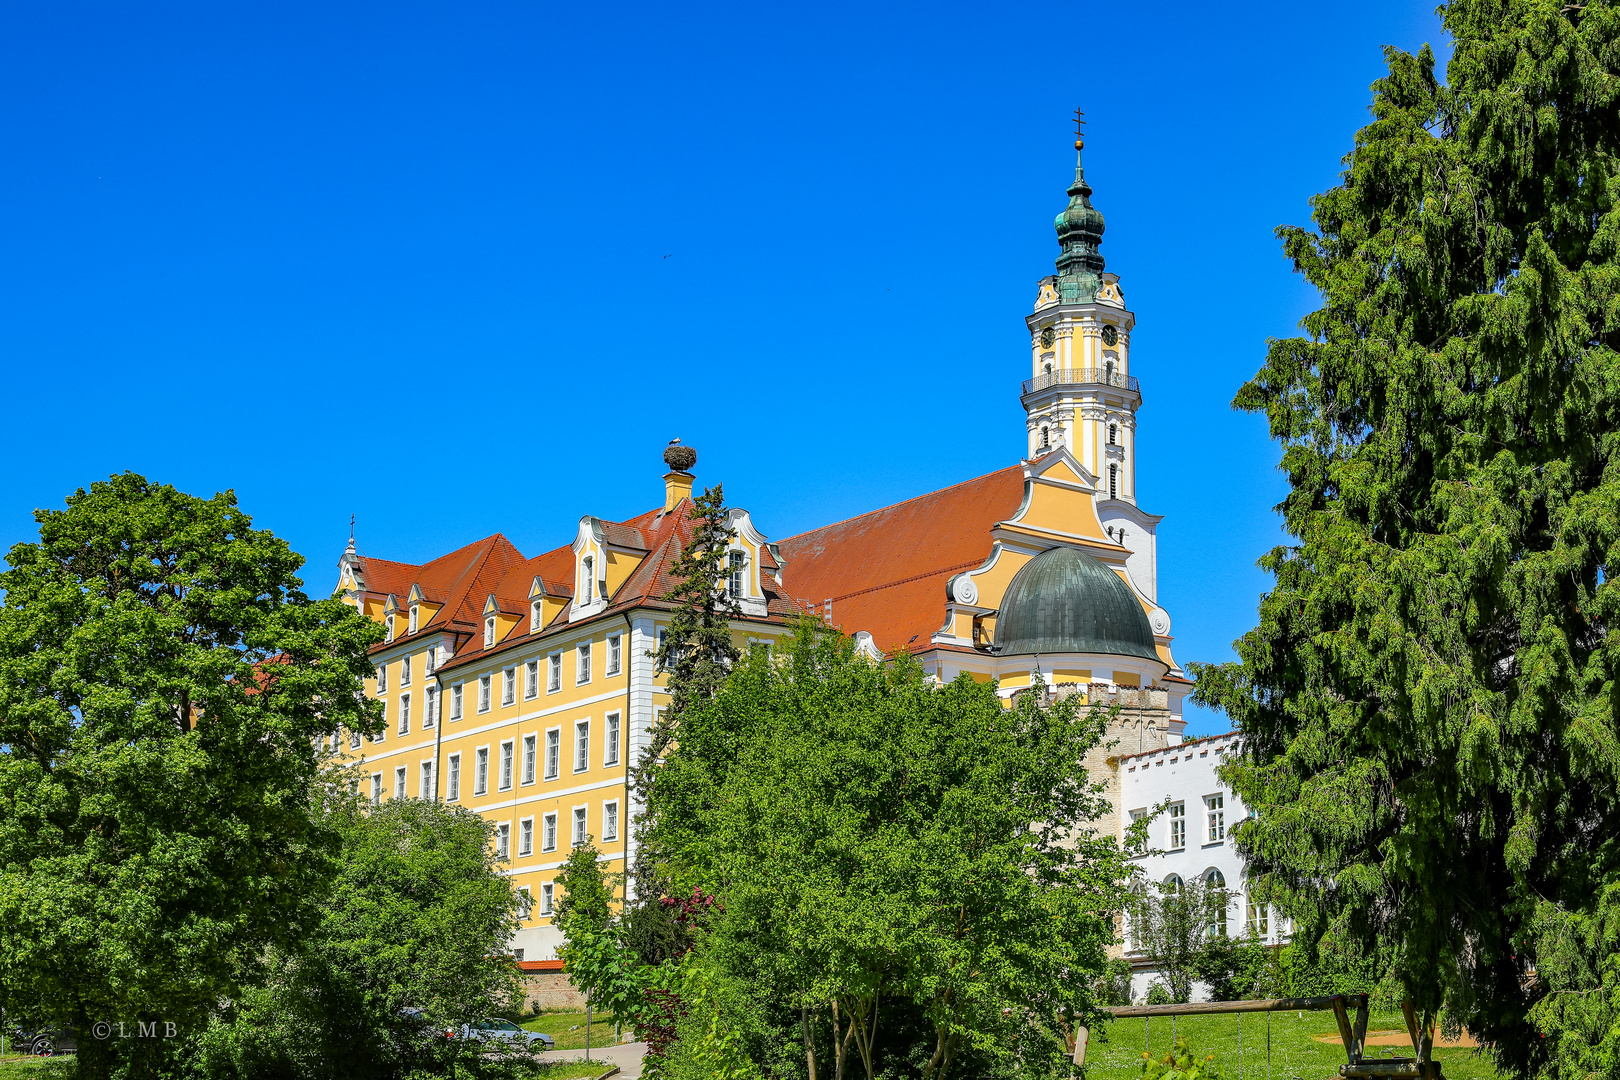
[465,268]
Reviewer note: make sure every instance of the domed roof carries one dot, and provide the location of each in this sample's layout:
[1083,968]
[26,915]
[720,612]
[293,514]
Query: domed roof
[1065,601]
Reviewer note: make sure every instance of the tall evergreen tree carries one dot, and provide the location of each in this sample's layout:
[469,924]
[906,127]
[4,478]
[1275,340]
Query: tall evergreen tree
[1428,701]
[697,652]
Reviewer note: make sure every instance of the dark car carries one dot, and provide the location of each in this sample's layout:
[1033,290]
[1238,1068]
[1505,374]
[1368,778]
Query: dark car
[46,1041]
[493,1029]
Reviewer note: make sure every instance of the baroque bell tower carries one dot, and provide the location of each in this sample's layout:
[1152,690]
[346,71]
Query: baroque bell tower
[1081,393]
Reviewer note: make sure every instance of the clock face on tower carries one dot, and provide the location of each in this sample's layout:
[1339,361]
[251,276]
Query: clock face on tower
[1110,336]
[1047,337]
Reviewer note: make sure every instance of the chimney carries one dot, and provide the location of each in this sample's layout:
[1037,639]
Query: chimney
[678,481]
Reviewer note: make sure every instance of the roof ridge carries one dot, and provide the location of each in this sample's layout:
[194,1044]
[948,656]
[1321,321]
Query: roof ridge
[902,502]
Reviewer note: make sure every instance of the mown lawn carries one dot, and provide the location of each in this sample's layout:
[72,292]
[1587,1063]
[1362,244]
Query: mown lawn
[1116,1053]
[556,1024]
[62,1068]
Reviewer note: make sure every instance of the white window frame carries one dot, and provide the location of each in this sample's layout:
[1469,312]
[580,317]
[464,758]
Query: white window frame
[526,835]
[503,841]
[531,680]
[582,745]
[582,663]
[1178,826]
[548,831]
[508,764]
[405,670]
[376,789]
[611,724]
[404,714]
[531,757]
[579,825]
[536,610]
[525,909]
[736,574]
[481,770]
[483,693]
[588,571]
[452,791]
[399,781]
[389,636]
[430,707]
[489,631]
[411,622]
[554,676]
[430,660]
[509,687]
[608,804]
[615,654]
[382,677]
[553,753]
[1215,817]
[354,739]
[546,899]
[424,783]
[455,701]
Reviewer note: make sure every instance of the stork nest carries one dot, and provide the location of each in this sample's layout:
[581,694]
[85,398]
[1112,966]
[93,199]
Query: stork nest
[680,458]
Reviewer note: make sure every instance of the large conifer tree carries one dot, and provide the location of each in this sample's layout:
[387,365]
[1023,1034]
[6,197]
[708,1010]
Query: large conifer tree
[1428,702]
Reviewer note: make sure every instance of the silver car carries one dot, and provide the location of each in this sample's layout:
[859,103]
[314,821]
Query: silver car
[492,1029]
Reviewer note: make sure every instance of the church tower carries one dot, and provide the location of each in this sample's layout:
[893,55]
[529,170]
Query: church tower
[1081,393]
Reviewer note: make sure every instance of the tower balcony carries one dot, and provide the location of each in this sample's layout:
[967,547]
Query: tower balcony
[1083,377]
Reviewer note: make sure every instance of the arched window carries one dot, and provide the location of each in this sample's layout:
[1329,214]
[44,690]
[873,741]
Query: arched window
[535,615]
[734,576]
[1173,883]
[1048,368]
[489,631]
[1108,372]
[1216,883]
[588,586]
[390,636]
[412,624]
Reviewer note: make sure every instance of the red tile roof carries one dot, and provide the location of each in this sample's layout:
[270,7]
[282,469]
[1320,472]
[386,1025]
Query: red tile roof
[885,571]
[464,579]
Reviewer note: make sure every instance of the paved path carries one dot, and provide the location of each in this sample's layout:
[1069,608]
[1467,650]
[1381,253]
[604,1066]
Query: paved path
[627,1056]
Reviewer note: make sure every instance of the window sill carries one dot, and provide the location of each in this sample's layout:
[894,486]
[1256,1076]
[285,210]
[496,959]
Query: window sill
[1215,843]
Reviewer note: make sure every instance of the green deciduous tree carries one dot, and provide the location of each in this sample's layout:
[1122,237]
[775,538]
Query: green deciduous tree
[1428,702]
[880,845]
[1174,924]
[410,944]
[164,683]
[600,964]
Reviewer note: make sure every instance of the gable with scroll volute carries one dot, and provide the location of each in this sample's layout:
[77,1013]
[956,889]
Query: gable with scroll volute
[1060,498]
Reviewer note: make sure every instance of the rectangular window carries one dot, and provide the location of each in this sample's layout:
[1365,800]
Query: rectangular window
[553,753]
[508,686]
[399,782]
[1178,825]
[376,789]
[524,906]
[734,578]
[453,788]
[526,836]
[481,771]
[426,787]
[610,742]
[554,678]
[506,765]
[1113,481]
[610,820]
[1215,810]
[582,746]
[430,659]
[548,833]
[382,678]
[578,837]
[615,654]
[483,693]
[455,702]
[545,899]
[405,671]
[1259,921]
[404,714]
[430,715]
[528,759]
[411,621]
[583,675]
[354,740]
[381,735]
[503,840]
[531,679]
[489,631]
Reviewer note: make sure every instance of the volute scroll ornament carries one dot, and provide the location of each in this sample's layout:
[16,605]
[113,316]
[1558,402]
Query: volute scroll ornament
[964,591]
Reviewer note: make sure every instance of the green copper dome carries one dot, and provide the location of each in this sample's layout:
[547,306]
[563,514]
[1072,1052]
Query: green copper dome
[1080,231]
[1065,601]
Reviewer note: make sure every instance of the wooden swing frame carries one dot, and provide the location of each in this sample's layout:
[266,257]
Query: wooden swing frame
[1421,1066]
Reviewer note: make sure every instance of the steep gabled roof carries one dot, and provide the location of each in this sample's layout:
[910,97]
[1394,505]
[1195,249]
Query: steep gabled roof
[464,578]
[885,571]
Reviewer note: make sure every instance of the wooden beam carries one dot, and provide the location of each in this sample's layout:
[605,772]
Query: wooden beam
[1360,1032]
[1345,1035]
[1317,1004]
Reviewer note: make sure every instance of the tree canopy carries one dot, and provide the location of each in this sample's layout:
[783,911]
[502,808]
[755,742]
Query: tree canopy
[1428,701]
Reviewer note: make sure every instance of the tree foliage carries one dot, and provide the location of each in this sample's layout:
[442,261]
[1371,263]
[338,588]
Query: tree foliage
[1428,701]
[879,843]
[409,945]
[1174,924]
[600,963]
[164,682]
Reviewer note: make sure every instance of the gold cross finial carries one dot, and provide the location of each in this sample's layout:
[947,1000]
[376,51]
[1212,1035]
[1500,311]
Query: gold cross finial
[1079,129]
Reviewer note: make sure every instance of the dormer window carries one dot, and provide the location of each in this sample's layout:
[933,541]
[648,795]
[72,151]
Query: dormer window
[489,631]
[588,571]
[389,635]
[411,621]
[735,580]
[535,616]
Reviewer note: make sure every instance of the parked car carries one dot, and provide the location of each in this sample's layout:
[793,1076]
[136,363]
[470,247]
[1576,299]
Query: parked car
[493,1029]
[46,1041]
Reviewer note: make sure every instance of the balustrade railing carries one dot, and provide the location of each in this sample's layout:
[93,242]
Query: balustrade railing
[1081,376]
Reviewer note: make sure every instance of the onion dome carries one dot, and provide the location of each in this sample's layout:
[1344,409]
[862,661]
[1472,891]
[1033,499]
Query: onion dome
[1080,231]
[1065,601]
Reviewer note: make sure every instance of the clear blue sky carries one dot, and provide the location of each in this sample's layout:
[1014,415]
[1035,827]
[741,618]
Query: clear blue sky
[466,268]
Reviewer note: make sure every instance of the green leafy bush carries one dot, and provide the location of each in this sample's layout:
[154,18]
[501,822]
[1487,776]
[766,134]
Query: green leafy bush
[1181,1063]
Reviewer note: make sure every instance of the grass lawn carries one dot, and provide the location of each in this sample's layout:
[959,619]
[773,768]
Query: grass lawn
[34,1068]
[556,1024]
[1116,1053]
